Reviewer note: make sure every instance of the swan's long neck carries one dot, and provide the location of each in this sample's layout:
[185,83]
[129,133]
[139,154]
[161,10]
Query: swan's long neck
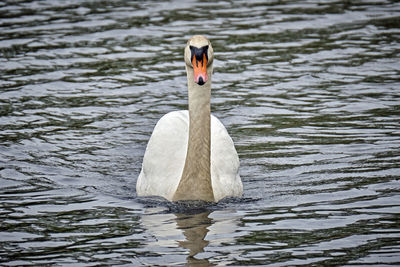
[195,183]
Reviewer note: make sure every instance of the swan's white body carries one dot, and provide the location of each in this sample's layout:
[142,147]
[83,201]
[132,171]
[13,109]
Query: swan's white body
[190,155]
[165,157]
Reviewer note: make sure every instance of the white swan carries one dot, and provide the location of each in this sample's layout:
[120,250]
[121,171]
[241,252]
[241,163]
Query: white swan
[190,155]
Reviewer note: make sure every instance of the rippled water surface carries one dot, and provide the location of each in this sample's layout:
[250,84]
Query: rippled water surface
[308,90]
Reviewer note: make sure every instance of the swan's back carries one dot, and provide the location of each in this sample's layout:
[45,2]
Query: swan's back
[165,157]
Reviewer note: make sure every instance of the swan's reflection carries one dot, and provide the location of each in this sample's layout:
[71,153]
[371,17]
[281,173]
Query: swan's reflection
[195,228]
[172,232]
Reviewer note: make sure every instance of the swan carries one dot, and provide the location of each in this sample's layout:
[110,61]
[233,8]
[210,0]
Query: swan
[190,155]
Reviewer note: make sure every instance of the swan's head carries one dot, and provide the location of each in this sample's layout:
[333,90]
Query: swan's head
[199,56]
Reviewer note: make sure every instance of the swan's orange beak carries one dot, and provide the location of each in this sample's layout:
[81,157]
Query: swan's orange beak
[200,70]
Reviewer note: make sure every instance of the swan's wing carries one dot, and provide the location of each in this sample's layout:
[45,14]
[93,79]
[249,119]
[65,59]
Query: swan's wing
[165,155]
[224,163]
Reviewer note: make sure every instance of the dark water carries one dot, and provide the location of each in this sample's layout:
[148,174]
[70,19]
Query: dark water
[309,91]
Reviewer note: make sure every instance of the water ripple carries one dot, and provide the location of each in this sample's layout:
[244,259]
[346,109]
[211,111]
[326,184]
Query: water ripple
[308,91]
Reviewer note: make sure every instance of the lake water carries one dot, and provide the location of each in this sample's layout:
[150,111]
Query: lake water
[308,90]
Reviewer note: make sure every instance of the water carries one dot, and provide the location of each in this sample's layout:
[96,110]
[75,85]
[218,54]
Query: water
[308,90]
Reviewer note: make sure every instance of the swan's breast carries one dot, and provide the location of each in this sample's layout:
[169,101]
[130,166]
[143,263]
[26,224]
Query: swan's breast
[165,157]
